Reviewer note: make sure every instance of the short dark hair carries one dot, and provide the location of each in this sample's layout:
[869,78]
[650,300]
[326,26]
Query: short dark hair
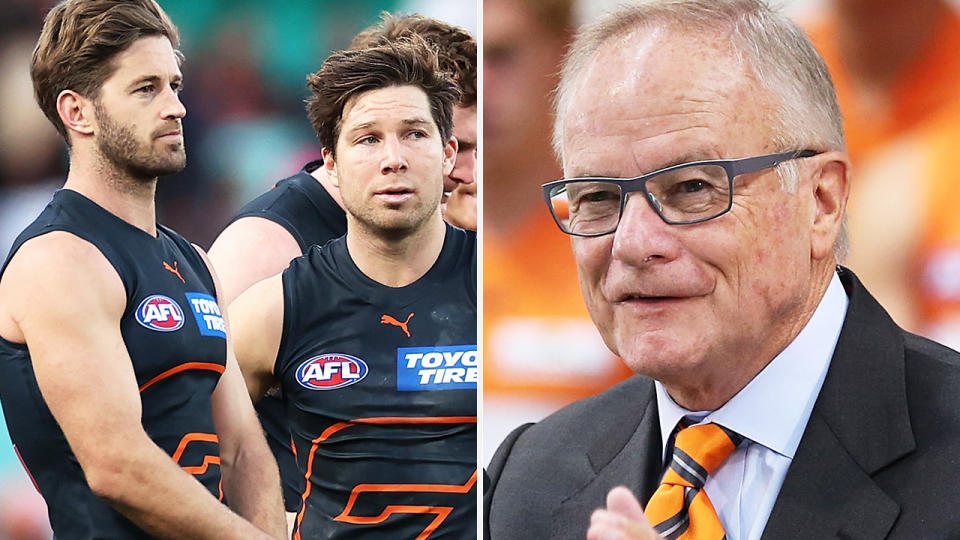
[409,61]
[455,46]
[79,40]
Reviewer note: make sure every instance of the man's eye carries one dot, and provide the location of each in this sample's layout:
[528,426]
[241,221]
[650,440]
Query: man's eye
[692,186]
[417,134]
[370,139]
[176,87]
[145,89]
[599,196]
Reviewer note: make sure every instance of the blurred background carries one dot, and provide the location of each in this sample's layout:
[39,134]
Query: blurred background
[896,65]
[244,75]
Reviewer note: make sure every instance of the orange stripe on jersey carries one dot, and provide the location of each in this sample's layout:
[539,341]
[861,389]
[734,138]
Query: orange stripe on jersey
[442,511]
[387,420]
[183,367]
[202,468]
[306,492]
[189,438]
[207,459]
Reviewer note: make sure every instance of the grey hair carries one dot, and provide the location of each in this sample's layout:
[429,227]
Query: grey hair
[778,54]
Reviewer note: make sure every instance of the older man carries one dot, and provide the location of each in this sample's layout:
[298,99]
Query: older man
[705,193]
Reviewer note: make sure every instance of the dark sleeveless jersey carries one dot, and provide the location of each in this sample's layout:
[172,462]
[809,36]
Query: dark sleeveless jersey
[174,334]
[304,208]
[380,384]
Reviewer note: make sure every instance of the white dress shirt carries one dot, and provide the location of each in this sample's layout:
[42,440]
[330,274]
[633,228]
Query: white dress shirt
[771,413]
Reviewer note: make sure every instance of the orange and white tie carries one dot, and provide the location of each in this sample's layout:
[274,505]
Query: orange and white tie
[680,509]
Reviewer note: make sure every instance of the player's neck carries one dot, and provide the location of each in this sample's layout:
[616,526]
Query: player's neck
[128,198]
[395,261]
[321,176]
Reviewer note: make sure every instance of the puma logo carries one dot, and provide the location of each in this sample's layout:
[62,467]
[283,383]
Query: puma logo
[173,269]
[387,319]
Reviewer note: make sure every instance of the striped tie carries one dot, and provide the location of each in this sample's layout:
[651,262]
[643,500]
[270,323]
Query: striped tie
[680,508]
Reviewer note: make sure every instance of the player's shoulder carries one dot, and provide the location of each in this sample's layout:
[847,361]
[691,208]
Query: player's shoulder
[318,262]
[459,247]
[467,240]
[59,252]
[254,234]
[332,251]
[296,187]
[60,265]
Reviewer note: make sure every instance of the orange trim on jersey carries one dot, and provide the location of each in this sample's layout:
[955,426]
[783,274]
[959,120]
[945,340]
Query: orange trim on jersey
[207,459]
[189,438]
[441,511]
[208,366]
[386,420]
[202,468]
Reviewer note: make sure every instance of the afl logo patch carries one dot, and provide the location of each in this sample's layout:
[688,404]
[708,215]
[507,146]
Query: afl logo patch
[160,313]
[331,371]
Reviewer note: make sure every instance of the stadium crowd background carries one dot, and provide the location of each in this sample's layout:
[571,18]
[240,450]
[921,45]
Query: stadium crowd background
[244,85]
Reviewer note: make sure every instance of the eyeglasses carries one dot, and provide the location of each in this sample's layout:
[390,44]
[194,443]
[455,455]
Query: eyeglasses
[681,194]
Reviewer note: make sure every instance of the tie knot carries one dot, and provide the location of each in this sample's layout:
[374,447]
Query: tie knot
[698,451]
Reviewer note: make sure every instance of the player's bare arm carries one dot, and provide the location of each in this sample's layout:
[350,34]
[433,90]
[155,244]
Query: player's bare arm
[249,250]
[257,317]
[251,480]
[65,301]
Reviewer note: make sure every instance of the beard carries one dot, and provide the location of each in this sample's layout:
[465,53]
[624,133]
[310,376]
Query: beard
[119,146]
[392,224]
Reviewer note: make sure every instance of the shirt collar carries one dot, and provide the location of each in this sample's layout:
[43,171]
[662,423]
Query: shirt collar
[773,408]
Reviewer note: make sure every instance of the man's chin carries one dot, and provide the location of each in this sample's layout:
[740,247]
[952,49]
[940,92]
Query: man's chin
[173,164]
[156,170]
[656,352]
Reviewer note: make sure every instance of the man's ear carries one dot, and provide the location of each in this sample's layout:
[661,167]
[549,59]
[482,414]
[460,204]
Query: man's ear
[331,166]
[450,155]
[830,186]
[76,112]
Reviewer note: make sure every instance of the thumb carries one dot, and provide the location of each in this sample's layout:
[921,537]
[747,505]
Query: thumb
[621,501]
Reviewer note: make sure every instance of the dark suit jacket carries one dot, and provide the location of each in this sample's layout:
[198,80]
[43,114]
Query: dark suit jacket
[880,456]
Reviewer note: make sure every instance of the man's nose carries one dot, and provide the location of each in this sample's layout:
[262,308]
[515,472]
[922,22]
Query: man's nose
[642,238]
[394,159]
[173,107]
[465,168]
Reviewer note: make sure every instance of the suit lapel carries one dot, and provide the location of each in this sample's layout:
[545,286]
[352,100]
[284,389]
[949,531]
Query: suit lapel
[827,495]
[630,456]
[860,424]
